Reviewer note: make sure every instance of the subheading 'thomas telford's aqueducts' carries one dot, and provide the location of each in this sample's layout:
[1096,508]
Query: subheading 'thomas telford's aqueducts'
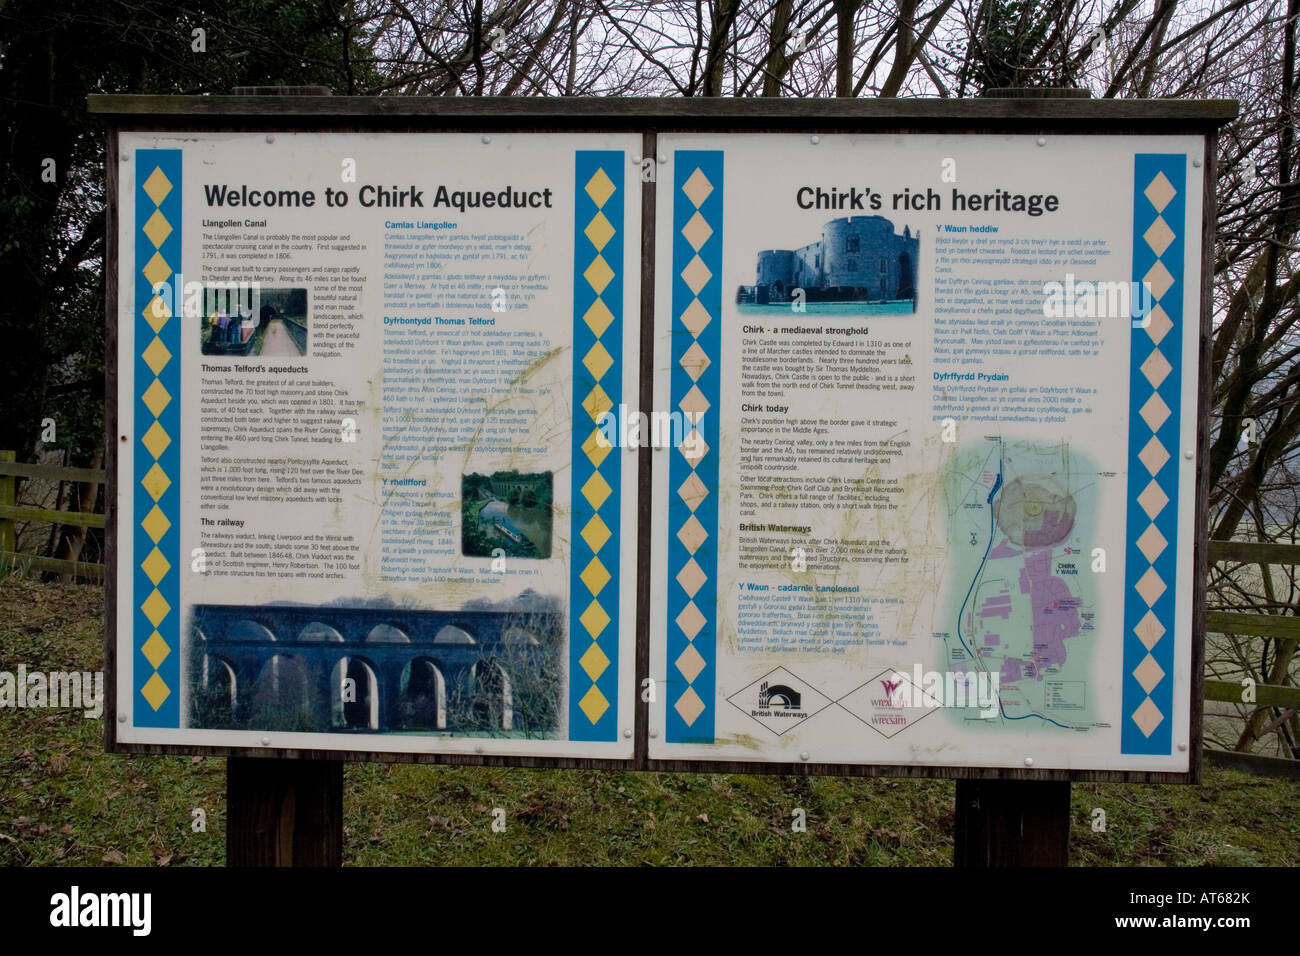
[858,259]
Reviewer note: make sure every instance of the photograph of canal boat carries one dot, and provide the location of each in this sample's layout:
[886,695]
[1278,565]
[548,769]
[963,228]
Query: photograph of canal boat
[247,319]
[506,510]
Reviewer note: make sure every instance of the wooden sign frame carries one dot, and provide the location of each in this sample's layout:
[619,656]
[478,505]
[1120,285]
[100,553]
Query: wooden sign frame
[650,118]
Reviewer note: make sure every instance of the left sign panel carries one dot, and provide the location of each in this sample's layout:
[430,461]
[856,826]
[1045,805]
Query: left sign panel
[364,501]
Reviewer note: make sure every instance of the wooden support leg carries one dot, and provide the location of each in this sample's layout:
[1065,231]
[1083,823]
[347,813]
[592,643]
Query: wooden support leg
[1012,823]
[284,812]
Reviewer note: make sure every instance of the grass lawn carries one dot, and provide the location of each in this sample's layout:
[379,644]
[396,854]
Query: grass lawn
[64,801]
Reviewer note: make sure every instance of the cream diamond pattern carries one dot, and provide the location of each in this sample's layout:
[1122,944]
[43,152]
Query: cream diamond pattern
[695,318]
[1152,543]
[1156,368]
[1153,499]
[689,706]
[1159,325]
[690,662]
[1149,630]
[693,491]
[1159,236]
[1148,717]
[692,534]
[694,448]
[694,361]
[1150,586]
[697,275]
[697,232]
[1160,191]
[1149,673]
[1159,278]
[691,577]
[694,404]
[1155,412]
[697,188]
[1153,455]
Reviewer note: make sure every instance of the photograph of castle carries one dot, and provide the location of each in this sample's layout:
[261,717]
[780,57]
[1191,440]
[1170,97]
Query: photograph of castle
[860,265]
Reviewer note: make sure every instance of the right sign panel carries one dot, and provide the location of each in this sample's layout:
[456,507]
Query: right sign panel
[930,494]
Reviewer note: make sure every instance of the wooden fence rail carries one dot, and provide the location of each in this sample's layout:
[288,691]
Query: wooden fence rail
[1283,628]
[10,473]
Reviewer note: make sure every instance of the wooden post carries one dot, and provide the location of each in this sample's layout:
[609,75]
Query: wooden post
[1012,823]
[284,812]
[8,496]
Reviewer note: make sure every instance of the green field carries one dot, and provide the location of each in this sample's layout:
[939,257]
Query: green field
[64,801]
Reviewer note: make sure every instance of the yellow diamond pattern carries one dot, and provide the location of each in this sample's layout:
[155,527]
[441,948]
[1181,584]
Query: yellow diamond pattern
[155,691]
[155,398]
[156,313]
[157,229]
[598,274]
[155,566]
[156,355]
[597,360]
[157,186]
[155,524]
[156,270]
[155,607]
[594,619]
[598,317]
[593,704]
[600,187]
[155,482]
[156,440]
[597,403]
[155,650]
[594,576]
[594,661]
[596,533]
[596,490]
[599,231]
[596,447]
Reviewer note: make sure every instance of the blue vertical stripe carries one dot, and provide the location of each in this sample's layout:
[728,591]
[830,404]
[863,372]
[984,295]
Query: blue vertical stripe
[169,503]
[587,163]
[1146,168]
[685,164]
